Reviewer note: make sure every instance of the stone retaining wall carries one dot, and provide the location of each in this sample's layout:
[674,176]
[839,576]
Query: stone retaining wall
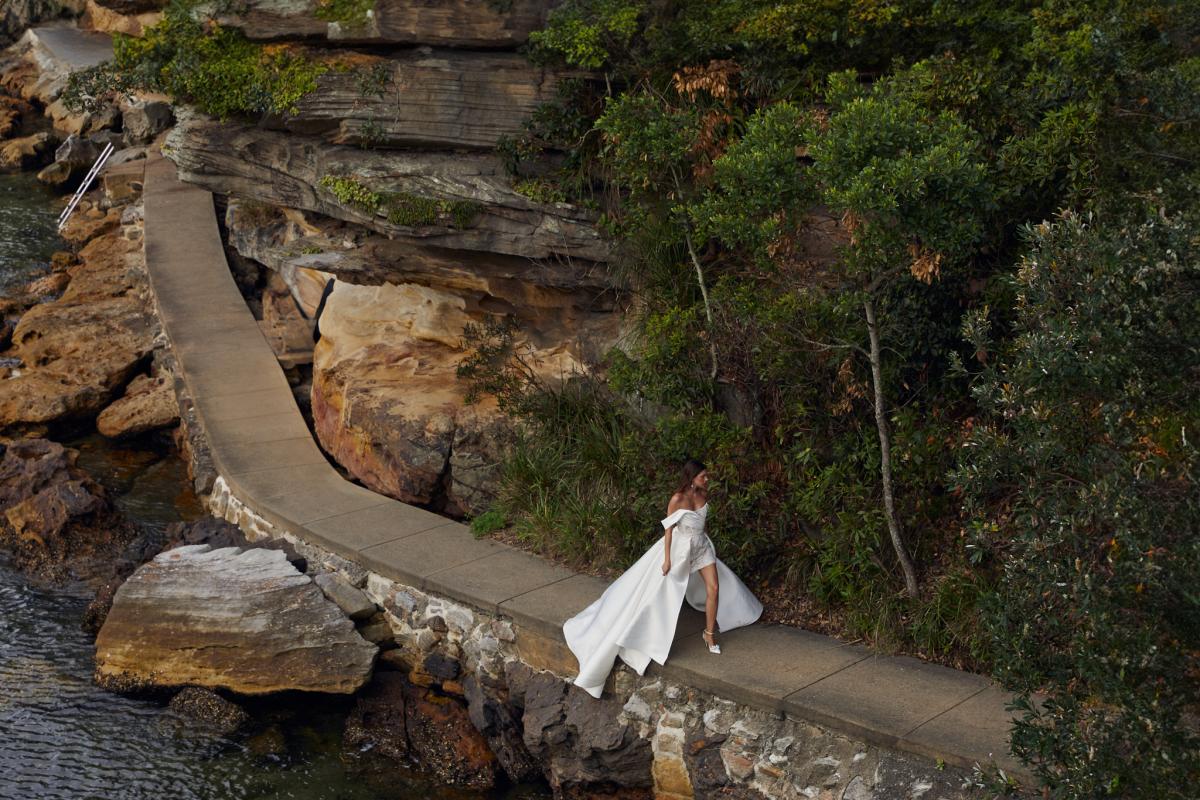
[649,736]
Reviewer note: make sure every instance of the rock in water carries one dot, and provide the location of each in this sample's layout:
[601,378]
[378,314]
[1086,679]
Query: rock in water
[53,517]
[242,620]
[397,719]
[209,709]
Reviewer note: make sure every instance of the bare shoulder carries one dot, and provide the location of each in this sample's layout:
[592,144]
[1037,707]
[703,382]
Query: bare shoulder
[677,502]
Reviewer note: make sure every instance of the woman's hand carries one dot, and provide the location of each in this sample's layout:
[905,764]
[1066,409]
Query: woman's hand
[667,565]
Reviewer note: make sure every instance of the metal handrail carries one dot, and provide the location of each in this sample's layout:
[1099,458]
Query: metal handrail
[87,182]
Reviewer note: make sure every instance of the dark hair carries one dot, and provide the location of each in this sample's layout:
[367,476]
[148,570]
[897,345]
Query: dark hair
[691,468]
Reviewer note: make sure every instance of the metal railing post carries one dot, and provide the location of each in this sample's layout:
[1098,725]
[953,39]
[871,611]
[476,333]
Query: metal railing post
[87,182]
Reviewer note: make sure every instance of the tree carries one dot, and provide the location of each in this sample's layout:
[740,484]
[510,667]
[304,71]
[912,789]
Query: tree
[912,191]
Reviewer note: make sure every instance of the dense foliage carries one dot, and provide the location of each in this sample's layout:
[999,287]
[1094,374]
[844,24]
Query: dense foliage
[194,60]
[828,207]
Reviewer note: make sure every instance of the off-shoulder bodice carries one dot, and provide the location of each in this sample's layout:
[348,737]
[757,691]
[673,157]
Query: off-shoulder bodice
[687,521]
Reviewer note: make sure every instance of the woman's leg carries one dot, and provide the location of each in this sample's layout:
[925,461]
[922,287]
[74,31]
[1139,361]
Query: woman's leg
[711,589]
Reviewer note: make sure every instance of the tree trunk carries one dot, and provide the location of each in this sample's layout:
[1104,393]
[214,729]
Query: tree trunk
[712,345]
[885,452]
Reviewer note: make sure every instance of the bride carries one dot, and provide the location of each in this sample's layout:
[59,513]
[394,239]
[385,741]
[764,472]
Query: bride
[635,617]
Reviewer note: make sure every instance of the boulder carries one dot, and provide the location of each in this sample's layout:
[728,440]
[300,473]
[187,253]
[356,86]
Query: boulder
[54,519]
[148,404]
[79,351]
[426,98]
[385,399]
[210,531]
[210,710]
[387,403]
[451,23]
[462,201]
[584,748]
[27,151]
[145,119]
[398,720]
[72,160]
[241,620]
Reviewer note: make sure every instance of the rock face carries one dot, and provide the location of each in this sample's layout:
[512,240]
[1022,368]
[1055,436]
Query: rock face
[440,98]
[148,404]
[77,352]
[584,745]
[55,519]
[17,15]
[452,23]
[27,151]
[242,620]
[386,400]
[400,720]
[287,170]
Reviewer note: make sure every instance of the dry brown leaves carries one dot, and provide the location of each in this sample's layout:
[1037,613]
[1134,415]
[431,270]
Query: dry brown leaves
[926,265]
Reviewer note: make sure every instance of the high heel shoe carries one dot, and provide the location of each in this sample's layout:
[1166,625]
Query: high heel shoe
[712,646]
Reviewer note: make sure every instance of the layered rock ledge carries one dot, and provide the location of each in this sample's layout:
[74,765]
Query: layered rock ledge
[450,23]
[485,214]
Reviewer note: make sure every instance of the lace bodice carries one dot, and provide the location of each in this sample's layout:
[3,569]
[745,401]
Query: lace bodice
[687,521]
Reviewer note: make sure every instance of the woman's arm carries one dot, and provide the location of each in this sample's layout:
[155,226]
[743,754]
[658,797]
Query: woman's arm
[672,507]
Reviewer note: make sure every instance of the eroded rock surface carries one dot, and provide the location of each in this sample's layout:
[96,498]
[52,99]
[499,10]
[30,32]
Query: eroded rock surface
[453,23]
[77,352]
[242,620]
[148,404]
[287,170]
[584,745]
[54,519]
[439,98]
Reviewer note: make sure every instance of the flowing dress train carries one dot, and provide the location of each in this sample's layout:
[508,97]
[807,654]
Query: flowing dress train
[635,617]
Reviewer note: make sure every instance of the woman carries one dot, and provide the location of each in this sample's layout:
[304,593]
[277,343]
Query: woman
[635,617]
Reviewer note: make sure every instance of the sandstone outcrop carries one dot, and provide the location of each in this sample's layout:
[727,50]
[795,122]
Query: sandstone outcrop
[148,404]
[452,23]
[386,400]
[215,533]
[438,98]
[54,519]
[27,151]
[77,352]
[241,620]
[460,201]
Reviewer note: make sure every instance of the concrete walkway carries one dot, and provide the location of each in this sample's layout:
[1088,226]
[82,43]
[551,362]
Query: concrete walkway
[262,447]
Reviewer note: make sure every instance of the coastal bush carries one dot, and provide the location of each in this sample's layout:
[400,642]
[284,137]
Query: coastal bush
[761,165]
[194,60]
[1080,490]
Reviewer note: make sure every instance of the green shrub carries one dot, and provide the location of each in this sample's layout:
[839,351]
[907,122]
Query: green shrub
[489,521]
[1082,491]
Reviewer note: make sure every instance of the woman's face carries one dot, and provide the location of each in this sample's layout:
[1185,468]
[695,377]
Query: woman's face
[701,480]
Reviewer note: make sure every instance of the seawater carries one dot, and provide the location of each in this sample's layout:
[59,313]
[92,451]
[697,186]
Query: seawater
[62,737]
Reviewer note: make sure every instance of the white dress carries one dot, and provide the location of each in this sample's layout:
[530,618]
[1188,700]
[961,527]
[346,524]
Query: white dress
[635,617]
